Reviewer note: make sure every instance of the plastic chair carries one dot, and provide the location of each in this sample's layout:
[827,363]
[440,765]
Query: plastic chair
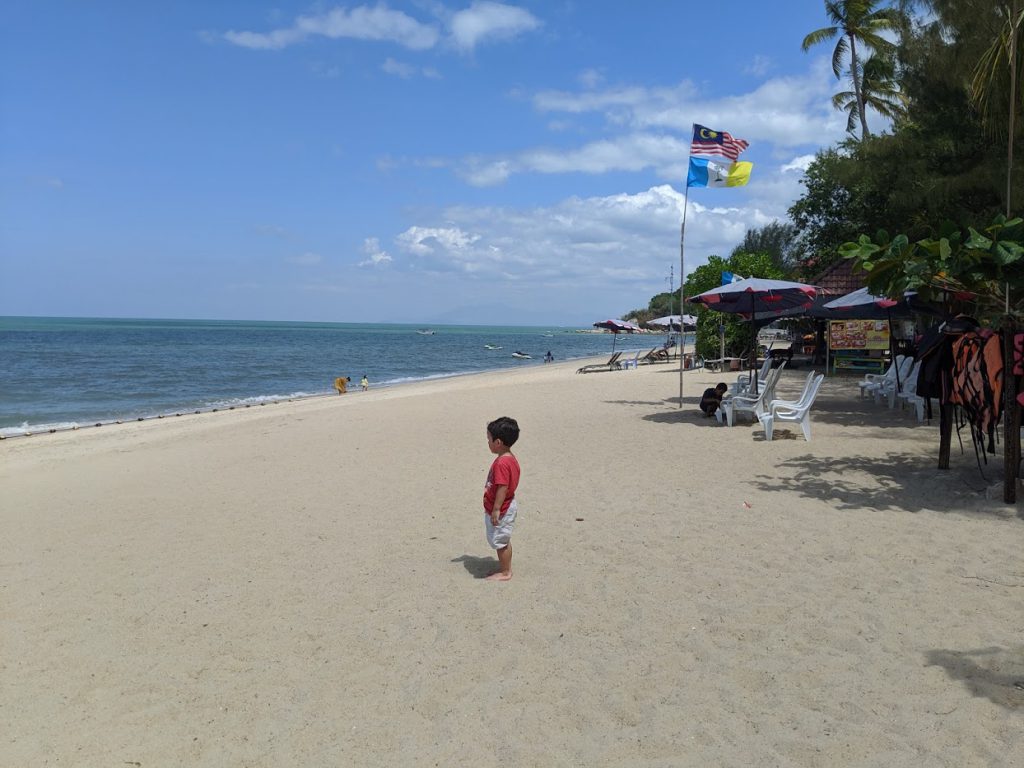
[799,411]
[872,380]
[907,384]
[887,387]
[753,404]
[743,382]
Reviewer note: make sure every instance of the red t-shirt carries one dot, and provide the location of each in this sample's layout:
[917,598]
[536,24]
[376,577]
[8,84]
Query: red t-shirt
[504,471]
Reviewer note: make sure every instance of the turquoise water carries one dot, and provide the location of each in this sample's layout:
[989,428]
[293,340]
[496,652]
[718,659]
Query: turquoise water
[62,372]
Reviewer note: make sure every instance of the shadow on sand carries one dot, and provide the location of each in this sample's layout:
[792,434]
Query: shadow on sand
[477,567]
[996,674]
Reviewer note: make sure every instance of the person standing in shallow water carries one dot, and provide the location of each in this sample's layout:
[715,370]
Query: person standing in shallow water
[364,383]
[500,506]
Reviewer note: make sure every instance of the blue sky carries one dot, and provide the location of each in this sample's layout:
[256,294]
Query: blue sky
[424,162]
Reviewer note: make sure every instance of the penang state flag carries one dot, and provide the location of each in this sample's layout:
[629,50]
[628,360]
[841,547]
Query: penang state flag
[708,143]
[704,173]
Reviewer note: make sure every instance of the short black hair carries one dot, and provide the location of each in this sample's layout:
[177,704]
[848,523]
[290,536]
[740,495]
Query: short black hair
[722,386]
[504,428]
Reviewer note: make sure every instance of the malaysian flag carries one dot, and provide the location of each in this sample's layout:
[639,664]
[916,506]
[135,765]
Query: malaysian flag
[708,143]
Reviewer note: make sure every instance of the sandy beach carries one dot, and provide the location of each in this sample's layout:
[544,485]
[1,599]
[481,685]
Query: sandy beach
[300,585]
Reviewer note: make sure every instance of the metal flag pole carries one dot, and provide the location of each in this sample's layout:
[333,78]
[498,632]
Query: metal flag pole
[682,294]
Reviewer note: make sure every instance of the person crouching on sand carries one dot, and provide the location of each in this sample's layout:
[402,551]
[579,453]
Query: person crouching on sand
[341,384]
[711,400]
[500,505]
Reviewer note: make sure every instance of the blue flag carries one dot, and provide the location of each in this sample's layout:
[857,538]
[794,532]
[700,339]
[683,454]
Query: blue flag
[705,173]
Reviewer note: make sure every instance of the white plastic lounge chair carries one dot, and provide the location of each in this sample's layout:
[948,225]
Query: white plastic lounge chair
[873,379]
[907,384]
[883,388]
[799,412]
[743,380]
[752,404]
[914,399]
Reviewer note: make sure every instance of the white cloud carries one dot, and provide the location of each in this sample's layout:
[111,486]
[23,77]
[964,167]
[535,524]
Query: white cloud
[378,23]
[306,259]
[758,66]
[634,152]
[800,163]
[591,78]
[406,71]
[579,244]
[485,21]
[784,111]
[377,256]
[398,68]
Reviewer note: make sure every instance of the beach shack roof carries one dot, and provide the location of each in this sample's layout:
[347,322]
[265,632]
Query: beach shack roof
[840,279]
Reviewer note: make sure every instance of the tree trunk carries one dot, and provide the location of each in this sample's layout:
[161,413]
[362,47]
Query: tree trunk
[1011,421]
[858,89]
[945,433]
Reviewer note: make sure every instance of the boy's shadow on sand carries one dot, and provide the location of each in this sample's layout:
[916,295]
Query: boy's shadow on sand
[478,567]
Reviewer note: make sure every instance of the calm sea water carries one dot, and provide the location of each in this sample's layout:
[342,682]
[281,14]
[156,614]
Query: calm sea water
[60,372]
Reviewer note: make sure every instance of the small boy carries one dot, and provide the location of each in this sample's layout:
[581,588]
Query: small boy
[500,493]
[712,398]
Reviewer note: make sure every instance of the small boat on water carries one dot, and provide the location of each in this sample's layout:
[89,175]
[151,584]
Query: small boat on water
[548,335]
[425,332]
[521,355]
[491,346]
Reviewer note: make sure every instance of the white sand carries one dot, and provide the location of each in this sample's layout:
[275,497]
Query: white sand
[298,585]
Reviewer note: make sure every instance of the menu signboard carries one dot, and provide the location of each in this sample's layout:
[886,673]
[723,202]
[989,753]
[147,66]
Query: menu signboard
[858,334]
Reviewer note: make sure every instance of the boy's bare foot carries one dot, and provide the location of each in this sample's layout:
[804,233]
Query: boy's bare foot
[499,576]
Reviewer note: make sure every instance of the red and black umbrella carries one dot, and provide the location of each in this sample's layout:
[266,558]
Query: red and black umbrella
[616,327]
[757,298]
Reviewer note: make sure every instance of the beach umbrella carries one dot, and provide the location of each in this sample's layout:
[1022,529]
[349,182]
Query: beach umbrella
[616,327]
[758,299]
[675,322]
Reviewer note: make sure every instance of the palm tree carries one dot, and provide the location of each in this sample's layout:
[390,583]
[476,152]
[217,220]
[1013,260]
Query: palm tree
[879,90]
[998,62]
[853,22]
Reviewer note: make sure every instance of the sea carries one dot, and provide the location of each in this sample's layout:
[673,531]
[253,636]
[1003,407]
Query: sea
[61,373]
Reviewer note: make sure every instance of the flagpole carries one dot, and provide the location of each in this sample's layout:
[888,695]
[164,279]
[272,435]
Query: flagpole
[682,278]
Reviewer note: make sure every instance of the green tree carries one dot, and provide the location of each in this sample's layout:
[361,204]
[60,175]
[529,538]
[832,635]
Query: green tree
[998,72]
[962,268]
[855,22]
[830,212]
[879,90]
[776,240]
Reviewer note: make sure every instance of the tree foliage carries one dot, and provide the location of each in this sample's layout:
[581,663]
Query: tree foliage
[962,268]
[856,23]
[940,161]
[775,240]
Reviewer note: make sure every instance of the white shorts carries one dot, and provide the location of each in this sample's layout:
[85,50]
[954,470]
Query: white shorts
[500,535]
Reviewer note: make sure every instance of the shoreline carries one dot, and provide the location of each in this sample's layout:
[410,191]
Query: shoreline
[50,429]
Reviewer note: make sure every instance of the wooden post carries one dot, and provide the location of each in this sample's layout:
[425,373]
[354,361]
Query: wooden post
[945,433]
[1011,417]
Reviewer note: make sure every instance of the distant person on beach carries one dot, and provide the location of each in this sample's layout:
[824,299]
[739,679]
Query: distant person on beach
[711,400]
[364,383]
[500,505]
[341,384]
[549,358]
